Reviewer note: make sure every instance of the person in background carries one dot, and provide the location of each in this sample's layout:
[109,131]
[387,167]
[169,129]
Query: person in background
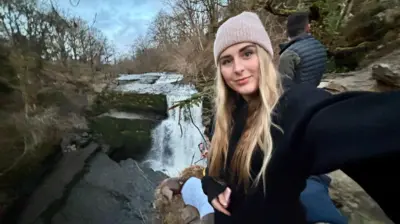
[268,140]
[303,58]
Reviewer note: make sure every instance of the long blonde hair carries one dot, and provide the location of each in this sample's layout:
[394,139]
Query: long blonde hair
[257,130]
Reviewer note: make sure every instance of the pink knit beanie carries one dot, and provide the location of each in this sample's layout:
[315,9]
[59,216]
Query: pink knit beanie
[245,27]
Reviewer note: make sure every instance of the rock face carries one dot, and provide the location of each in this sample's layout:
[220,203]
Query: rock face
[130,102]
[127,138]
[387,74]
[111,193]
[87,186]
[125,121]
[380,75]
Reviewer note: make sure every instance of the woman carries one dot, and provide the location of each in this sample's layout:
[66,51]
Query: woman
[268,141]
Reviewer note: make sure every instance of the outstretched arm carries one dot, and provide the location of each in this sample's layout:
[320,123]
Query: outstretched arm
[352,127]
[361,136]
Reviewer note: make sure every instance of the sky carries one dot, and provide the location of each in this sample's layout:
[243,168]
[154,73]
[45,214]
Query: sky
[120,20]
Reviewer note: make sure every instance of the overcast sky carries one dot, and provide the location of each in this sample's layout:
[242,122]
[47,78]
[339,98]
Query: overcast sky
[120,20]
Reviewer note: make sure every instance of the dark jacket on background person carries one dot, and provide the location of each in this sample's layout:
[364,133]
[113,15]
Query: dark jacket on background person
[303,59]
[353,131]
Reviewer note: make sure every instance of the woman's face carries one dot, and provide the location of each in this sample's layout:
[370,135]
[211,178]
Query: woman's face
[240,68]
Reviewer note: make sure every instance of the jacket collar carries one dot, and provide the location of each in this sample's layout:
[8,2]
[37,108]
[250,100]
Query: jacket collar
[284,46]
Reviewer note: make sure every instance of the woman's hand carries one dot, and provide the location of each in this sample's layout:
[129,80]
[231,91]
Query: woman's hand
[204,154]
[222,201]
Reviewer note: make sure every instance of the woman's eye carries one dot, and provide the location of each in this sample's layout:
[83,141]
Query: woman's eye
[248,53]
[225,62]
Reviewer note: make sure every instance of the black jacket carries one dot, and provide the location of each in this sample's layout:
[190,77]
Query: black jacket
[357,132]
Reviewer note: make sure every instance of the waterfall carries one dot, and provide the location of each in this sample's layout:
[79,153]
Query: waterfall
[175,139]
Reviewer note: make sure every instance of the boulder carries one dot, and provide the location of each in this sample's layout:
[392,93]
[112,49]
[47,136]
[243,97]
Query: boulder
[130,102]
[387,74]
[127,138]
[173,210]
[380,75]
[109,192]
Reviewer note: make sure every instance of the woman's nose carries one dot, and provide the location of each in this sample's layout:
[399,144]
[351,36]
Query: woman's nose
[238,66]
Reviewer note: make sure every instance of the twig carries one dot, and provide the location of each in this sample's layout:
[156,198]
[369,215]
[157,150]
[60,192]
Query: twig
[141,215]
[191,163]
[76,4]
[179,122]
[145,177]
[191,119]
[199,160]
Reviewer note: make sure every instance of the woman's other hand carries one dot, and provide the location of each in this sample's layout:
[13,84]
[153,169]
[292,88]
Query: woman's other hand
[222,201]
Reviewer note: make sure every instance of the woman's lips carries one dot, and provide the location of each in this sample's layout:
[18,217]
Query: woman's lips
[243,81]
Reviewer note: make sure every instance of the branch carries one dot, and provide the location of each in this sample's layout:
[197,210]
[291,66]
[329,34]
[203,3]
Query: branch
[342,51]
[74,4]
[277,12]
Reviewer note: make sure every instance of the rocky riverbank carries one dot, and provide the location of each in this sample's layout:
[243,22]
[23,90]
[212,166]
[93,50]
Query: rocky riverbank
[87,186]
[100,172]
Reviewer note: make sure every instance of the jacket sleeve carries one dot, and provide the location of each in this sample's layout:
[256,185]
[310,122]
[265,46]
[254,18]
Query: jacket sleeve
[211,187]
[288,62]
[353,127]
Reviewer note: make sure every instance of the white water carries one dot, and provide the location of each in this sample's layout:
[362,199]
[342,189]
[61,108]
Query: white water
[176,139]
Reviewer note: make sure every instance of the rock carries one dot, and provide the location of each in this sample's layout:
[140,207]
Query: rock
[174,211]
[53,187]
[332,87]
[354,202]
[127,138]
[189,214]
[387,74]
[385,69]
[75,140]
[130,102]
[143,79]
[111,193]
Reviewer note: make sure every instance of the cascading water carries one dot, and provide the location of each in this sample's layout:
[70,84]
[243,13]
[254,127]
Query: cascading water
[176,139]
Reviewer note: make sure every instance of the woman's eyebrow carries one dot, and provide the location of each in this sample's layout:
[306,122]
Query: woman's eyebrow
[240,50]
[224,57]
[246,47]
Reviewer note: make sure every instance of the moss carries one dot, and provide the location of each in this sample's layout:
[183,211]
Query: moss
[130,102]
[127,138]
[51,97]
[20,180]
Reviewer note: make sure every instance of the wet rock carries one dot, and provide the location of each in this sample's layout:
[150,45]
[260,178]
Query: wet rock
[387,74]
[130,102]
[56,183]
[111,193]
[143,79]
[74,141]
[127,138]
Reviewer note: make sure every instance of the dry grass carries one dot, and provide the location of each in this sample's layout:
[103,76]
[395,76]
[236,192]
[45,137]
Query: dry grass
[45,104]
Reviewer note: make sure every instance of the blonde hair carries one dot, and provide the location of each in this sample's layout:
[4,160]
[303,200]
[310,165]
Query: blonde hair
[257,130]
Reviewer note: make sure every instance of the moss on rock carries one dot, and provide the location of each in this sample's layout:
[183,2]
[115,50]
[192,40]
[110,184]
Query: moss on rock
[127,138]
[130,102]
